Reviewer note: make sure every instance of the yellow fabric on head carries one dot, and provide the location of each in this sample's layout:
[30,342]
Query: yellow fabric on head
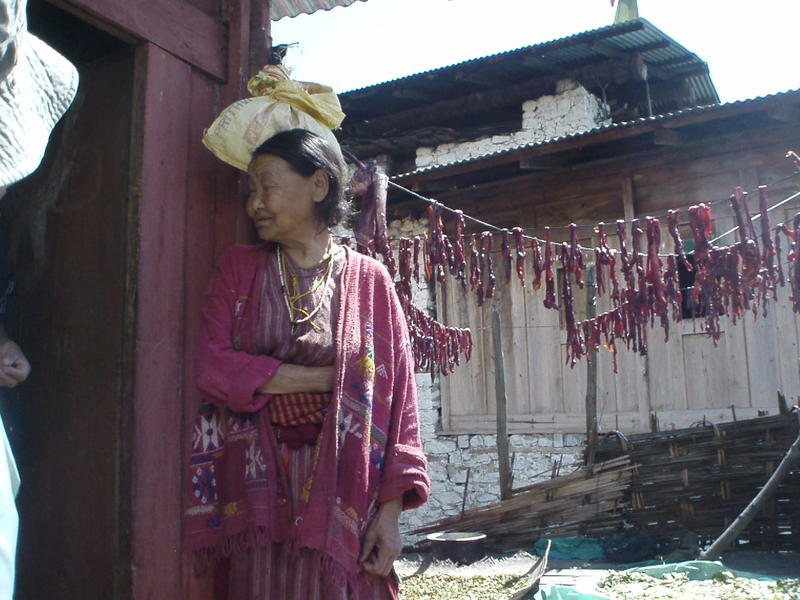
[317,101]
[278,104]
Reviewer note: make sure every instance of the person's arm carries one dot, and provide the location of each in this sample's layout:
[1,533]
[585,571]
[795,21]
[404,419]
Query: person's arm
[404,483]
[405,466]
[290,379]
[235,379]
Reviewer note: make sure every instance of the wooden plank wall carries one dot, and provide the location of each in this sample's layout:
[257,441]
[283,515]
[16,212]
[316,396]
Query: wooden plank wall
[684,380]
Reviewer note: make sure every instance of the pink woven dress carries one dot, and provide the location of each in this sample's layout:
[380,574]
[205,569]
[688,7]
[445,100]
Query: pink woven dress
[289,516]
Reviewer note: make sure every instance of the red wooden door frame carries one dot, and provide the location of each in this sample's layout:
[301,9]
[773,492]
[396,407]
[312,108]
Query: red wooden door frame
[189,210]
[176,26]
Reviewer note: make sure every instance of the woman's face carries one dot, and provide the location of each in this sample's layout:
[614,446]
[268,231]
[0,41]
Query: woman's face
[281,202]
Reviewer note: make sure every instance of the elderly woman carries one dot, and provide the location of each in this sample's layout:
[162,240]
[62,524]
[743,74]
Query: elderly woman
[308,447]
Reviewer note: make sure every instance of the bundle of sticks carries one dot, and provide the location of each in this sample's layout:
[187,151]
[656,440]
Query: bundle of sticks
[589,501]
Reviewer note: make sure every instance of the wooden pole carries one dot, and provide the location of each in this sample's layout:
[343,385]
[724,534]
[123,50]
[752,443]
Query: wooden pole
[260,39]
[591,372]
[502,416]
[783,406]
[466,488]
[756,504]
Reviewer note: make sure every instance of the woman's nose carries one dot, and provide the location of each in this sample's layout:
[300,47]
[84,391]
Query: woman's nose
[256,200]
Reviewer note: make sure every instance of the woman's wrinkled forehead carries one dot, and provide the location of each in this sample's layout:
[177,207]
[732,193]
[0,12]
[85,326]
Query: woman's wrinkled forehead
[268,166]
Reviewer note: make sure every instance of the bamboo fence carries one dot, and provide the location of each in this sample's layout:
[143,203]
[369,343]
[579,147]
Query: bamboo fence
[700,478]
[664,483]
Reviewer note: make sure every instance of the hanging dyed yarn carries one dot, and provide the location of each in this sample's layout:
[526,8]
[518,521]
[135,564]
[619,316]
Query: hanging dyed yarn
[436,348]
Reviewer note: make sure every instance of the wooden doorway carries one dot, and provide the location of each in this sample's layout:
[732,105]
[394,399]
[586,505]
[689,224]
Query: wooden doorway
[71,252]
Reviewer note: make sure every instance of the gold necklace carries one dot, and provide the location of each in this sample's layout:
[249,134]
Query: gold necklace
[292,299]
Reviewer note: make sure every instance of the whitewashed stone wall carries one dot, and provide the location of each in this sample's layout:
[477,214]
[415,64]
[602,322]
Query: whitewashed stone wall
[449,457]
[572,109]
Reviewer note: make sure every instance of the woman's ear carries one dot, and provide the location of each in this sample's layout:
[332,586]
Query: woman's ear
[320,185]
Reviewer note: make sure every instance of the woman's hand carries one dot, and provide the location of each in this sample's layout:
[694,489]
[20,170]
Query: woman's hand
[293,379]
[382,543]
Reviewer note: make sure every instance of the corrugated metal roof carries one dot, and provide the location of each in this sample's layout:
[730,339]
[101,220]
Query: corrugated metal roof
[292,8]
[657,47]
[614,126]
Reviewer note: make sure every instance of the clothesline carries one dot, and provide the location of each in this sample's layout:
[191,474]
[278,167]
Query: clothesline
[757,216]
[497,229]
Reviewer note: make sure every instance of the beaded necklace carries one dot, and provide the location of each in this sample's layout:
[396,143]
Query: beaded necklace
[292,299]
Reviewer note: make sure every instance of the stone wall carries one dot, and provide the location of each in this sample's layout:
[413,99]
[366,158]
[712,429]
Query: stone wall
[449,457]
[572,109]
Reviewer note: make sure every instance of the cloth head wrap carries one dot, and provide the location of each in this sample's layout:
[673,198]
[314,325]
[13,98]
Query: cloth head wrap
[277,104]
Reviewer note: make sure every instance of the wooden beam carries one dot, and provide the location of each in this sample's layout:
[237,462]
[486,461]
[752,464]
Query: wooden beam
[411,94]
[667,62]
[540,64]
[668,137]
[610,51]
[159,187]
[628,205]
[784,114]
[472,78]
[502,412]
[543,163]
[179,28]
[692,72]
[260,40]
[591,371]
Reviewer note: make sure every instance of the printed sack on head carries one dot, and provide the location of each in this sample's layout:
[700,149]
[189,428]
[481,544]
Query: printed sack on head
[278,104]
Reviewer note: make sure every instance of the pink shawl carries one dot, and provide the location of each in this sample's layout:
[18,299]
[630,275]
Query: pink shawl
[368,451]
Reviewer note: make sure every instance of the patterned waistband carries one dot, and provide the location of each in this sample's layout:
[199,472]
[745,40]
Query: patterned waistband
[290,410]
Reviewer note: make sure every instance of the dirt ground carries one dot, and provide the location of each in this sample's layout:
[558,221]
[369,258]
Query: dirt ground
[766,563]
[583,573]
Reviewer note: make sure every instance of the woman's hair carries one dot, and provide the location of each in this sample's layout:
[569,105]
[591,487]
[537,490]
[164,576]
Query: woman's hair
[307,152]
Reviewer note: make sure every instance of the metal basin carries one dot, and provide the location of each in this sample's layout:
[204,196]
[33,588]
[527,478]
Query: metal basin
[462,547]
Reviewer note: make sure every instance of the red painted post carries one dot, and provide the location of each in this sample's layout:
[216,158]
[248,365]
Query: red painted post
[158,382]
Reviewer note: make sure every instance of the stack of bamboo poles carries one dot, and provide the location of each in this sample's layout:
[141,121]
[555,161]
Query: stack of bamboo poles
[699,479]
[587,501]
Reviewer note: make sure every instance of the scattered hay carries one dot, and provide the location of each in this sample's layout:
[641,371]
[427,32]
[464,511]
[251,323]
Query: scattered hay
[724,585]
[450,587]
